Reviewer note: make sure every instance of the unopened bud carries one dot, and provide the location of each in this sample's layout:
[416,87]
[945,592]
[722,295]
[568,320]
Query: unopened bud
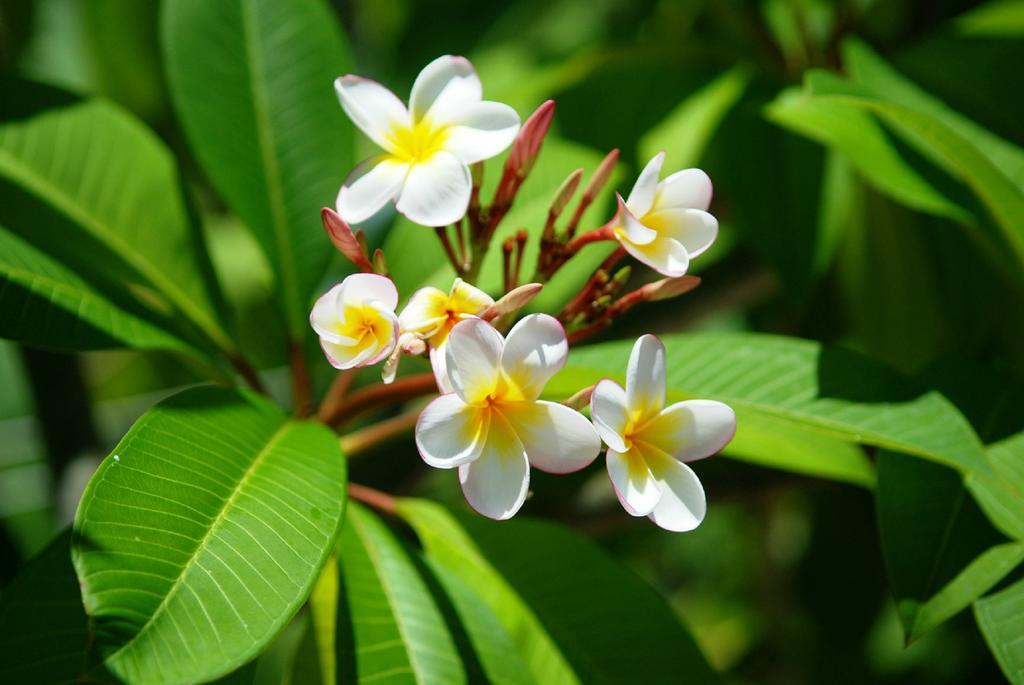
[601,175]
[513,301]
[522,235]
[622,275]
[565,193]
[347,242]
[531,136]
[580,399]
[380,265]
[602,302]
[669,287]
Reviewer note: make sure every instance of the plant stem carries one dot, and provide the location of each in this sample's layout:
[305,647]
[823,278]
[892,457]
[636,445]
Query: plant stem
[380,395]
[336,393]
[381,501]
[301,401]
[247,372]
[366,439]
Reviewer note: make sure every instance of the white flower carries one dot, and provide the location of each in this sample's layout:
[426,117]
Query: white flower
[356,320]
[492,426]
[648,442]
[428,146]
[432,313]
[666,224]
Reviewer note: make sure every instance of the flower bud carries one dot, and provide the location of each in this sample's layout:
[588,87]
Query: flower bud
[669,287]
[345,240]
[513,301]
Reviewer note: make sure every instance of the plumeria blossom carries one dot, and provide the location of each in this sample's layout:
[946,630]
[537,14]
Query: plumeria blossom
[648,442]
[432,313]
[428,146]
[356,320]
[666,224]
[492,426]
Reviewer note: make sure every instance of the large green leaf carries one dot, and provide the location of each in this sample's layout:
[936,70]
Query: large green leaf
[201,535]
[574,614]
[86,184]
[390,629]
[45,304]
[797,386]
[941,552]
[1001,619]
[251,82]
[415,257]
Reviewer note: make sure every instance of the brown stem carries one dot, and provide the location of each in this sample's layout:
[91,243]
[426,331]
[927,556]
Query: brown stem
[336,393]
[460,235]
[363,440]
[442,234]
[380,395]
[248,373]
[302,404]
[381,501]
[587,293]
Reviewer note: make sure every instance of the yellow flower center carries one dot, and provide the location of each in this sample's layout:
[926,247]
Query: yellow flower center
[365,325]
[417,143]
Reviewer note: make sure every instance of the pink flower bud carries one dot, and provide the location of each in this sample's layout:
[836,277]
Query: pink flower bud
[344,239]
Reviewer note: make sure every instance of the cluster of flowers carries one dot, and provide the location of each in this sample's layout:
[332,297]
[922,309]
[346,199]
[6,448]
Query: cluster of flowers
[489,420]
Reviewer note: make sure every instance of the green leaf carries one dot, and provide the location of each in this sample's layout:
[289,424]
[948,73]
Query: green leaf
[686,131]
[391,628]
[1001,493]
[251,82]
[415,257]
[46,305]
[203,532]
[86,184]
[574,614]
[1001,619]
[940,551]
[796,386]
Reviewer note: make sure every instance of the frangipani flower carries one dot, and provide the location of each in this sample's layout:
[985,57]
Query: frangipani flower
[666,224]
[648,442]
[356,320]
[492,426]
[428,146]
[432,313]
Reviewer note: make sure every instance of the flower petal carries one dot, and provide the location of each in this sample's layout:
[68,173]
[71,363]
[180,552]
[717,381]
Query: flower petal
[645,378]
[472,359]
[557,439]
[442,87]
[439,365]
[361,288]
[689,188]
[425,312]
[630,227]
[665,255]
[369,187]
[436,192]
[364,352]
[695,229]
[535,350]
[691,430]
[495,483]
[371,107]
[682,505]
[450,432]
[634,484]
[326,314]
[642,196]
[610,413]
[468,299]
[481,131]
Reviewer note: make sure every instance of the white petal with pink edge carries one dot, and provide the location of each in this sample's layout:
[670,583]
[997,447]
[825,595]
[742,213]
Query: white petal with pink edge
[689,188]
[363,288]
[557,439]
[610,413]
[439,366]
[325,316]
[436,191]
[495,483]
[372,107]
[482,130]
[444,86]
[634,485]
[682,505]
[634,231]
[535,350]
[450,432]
[472,358]
[645,378]
[642,196]
[369,187]
[691,430]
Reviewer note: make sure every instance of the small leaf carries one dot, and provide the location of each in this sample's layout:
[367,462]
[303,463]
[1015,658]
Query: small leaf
[999,616]
[201,535]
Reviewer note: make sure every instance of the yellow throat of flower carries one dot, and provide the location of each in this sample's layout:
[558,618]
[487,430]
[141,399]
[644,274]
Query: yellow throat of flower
[417,143]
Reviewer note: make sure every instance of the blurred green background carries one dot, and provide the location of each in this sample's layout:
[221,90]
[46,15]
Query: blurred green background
[835,227]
